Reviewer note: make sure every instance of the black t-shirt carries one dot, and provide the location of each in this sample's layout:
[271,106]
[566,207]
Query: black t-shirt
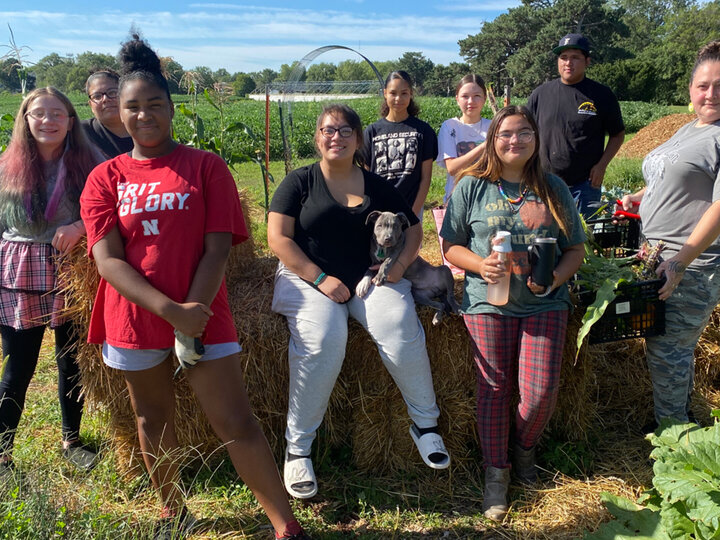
[396,151]
[109,144]
[333,236]
[573,120]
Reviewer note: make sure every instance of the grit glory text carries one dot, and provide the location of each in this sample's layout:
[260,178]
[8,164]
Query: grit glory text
[142,198]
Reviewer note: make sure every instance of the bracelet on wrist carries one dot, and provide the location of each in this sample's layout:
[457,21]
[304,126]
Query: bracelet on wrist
[319,279]
[401,264]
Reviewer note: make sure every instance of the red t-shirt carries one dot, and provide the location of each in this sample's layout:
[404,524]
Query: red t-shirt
[162,207]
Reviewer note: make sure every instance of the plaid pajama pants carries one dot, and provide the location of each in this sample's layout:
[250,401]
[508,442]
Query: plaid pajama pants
[526,351]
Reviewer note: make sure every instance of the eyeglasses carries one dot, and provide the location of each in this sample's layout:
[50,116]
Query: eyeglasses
[96,97]
[329,132]
[42,114]
[522,136]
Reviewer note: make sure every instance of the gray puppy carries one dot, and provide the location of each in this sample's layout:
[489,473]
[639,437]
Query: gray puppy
[428,281]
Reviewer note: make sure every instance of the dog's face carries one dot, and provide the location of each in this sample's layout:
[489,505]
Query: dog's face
[388,228]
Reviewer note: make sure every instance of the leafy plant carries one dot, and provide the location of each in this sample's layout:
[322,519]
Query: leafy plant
[219,143]
[684,502]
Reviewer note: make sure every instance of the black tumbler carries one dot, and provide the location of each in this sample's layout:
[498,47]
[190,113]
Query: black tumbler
[542,260]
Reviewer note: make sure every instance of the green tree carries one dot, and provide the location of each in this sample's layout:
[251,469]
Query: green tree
[9,79]
[354,70]
[52,70]
[442,80]
[320,72]
[222,75]
[264,77]
[287,69]
[243,84]
[417,66]
[174,73]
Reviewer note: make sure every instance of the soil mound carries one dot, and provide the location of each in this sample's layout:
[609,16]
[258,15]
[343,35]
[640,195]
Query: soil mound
[653,135]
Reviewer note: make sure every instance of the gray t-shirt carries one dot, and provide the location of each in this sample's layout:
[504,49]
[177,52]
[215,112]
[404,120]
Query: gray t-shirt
[476,211]
[63,215]
[683,180]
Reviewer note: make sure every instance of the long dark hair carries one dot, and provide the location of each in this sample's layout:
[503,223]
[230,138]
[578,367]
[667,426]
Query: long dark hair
[353,120]
[413,109]
[489,167]
[24,202]
[139,61]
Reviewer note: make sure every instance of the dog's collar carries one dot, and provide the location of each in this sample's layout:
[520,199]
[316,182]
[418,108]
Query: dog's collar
[380,253]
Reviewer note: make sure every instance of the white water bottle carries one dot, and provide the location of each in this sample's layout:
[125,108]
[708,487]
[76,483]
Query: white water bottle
[498,293]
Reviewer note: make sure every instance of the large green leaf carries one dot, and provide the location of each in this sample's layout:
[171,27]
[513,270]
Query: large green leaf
[595,311]
[633,522]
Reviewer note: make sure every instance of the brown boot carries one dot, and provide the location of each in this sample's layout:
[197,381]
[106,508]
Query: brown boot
[495,504]
[524,467]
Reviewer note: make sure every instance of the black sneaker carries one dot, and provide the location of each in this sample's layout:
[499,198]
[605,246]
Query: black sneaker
[175,528]
[80,455]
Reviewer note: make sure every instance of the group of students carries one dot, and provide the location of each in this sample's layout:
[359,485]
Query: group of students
[160,219]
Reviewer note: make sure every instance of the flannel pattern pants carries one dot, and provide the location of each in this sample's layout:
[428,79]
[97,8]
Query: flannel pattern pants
[510,352]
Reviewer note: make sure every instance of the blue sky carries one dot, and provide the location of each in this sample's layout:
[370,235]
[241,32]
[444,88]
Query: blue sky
[250,36]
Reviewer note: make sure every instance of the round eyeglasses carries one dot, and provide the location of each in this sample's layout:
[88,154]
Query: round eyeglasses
[97,97]
[522,136]
[42,114]
[329,132]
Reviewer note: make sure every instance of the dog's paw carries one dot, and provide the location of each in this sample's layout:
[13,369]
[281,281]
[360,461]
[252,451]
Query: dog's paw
[363,287]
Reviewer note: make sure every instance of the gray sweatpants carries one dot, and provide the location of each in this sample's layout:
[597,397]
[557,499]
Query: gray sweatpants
[671,357]
[318,334]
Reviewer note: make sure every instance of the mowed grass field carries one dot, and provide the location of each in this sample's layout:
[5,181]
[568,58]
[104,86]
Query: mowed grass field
[49,499]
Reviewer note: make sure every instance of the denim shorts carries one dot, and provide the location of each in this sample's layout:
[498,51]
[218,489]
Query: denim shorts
[139,359]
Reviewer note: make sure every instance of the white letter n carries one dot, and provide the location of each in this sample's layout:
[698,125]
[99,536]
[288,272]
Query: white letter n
[150,227]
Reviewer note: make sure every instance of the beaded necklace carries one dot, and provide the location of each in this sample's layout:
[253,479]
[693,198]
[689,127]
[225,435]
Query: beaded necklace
[519,201]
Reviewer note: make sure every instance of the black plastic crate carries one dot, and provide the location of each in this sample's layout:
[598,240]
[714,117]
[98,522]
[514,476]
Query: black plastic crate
[636,312]
[619,234]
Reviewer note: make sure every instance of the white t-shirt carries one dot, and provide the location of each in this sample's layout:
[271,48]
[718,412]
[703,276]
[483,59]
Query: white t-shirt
[456,139]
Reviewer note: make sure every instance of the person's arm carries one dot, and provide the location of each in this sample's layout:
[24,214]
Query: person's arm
[425,179]
[67,236]
[705,233]
[211,269]
[281,232]
[569,262]
[458,164]
[190,318]
[632,199]
[597,173]
[413,238]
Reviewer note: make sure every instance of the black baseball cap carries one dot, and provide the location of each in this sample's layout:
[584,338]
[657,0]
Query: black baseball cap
[573,41]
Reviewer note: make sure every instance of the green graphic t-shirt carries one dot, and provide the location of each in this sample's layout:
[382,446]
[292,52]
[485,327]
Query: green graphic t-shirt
[476,211]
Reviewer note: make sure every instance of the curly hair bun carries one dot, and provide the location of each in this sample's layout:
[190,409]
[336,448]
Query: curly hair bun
[136,55]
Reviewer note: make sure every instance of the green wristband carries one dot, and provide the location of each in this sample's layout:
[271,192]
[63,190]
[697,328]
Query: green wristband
[319,278]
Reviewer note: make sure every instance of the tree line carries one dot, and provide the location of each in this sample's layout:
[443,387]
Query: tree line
[642,49]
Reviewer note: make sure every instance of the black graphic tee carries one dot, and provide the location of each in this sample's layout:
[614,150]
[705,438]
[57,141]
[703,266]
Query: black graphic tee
[396,151]
[573,120]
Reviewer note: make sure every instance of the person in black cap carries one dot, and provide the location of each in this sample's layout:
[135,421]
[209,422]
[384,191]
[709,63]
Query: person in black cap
[573,114]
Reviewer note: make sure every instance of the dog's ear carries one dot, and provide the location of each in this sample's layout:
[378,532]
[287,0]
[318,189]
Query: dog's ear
[372,217]
[404,221]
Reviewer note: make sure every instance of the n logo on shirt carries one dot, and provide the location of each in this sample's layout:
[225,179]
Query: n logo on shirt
[150,227]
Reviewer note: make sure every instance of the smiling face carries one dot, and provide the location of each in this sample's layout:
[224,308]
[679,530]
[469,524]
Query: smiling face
[147,113]
[705,92]
[336,147]
[397,96]
[49,131]
[572,64]
[103,107]
[514,144]
[471,99]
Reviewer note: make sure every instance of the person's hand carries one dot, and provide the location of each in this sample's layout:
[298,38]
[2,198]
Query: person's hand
[67,236]
[492,268]
[673,270]
[334,289]
[629,201]
[190,318]
[541,289]
[597,174]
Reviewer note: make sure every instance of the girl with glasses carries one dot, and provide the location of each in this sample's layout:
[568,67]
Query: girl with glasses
[42,173]
[461,141]
[317,228]
[518,344]
[105,130]
[161,221]
[400,147]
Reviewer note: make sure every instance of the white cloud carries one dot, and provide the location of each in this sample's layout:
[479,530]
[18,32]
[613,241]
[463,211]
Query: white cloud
[244,38]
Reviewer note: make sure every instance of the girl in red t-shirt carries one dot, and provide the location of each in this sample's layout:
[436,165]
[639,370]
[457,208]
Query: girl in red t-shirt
[161,221]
